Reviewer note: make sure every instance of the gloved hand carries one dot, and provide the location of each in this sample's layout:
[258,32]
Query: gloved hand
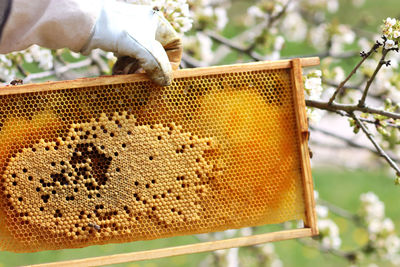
[140,33]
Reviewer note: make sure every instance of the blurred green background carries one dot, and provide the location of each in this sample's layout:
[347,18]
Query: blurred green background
[338,186]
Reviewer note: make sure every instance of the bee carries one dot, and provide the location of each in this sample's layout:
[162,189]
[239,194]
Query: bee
[156,9]
[16,82]
[95,226]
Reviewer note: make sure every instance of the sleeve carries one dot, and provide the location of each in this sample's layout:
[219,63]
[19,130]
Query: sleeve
[5,8]
[49,23]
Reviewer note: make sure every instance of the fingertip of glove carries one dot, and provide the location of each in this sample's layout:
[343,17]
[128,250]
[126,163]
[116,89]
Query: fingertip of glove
[163,81]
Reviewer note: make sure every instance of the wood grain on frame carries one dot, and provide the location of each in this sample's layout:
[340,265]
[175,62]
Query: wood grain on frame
[301,117]
[182,250]
[129,78]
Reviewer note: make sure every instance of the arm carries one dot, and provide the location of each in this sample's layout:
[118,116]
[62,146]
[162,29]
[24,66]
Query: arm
[134,31]
[49,23]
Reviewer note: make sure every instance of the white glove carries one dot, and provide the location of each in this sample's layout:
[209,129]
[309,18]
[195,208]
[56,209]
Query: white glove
[138,32]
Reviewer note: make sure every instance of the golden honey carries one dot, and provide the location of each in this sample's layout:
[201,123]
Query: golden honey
[133,161]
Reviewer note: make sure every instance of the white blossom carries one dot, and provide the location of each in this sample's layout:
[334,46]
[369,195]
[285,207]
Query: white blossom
[364,44]
[319,36]
[76,55]
[390,44]
[313,90]
[222,18]
[279,42]
[246,231]
[313,85]
[329,233]
[322,211]
[392,245]
[314,115]
[387,225]
[255,12]
[339,74]
[206,13]
[199,46]
[316,195]
[343,36]
[391,30]
[175,11]
[374,226]
[294,27]
[268,252]
[381,230]
[6,74]
[371,207]
[276,263]
[233,257]
[332,5]
[46,59]
[390,22]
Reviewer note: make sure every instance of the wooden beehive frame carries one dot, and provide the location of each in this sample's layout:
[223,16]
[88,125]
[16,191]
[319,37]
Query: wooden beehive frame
[310,228]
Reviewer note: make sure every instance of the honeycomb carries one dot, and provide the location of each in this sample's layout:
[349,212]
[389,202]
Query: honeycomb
[132,161]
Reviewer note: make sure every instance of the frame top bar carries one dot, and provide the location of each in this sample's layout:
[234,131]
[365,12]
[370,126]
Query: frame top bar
[129,78]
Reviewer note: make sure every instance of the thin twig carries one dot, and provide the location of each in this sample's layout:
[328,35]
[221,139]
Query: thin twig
[348,255]
[191,62]
[225,41]
[350,86]
[364,57]
[330,146]
[349,108]
[269,24]
[382,62]
[273,19]
[375,143]
[376,122]
[379,96]
[22,70]
[96,58]
[339,211]
[379,123]
[76,65]
[343,55]
[348,141]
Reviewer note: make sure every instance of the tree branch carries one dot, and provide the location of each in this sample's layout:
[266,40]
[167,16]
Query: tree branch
[350,86]
[349,142]
[191,62]
[349,108]
[375,143]
[97,60]
[348,255]
[382,62]
[225,41]
[343,55]
[378,123]
[364,57]
[339,211]
[76,65]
